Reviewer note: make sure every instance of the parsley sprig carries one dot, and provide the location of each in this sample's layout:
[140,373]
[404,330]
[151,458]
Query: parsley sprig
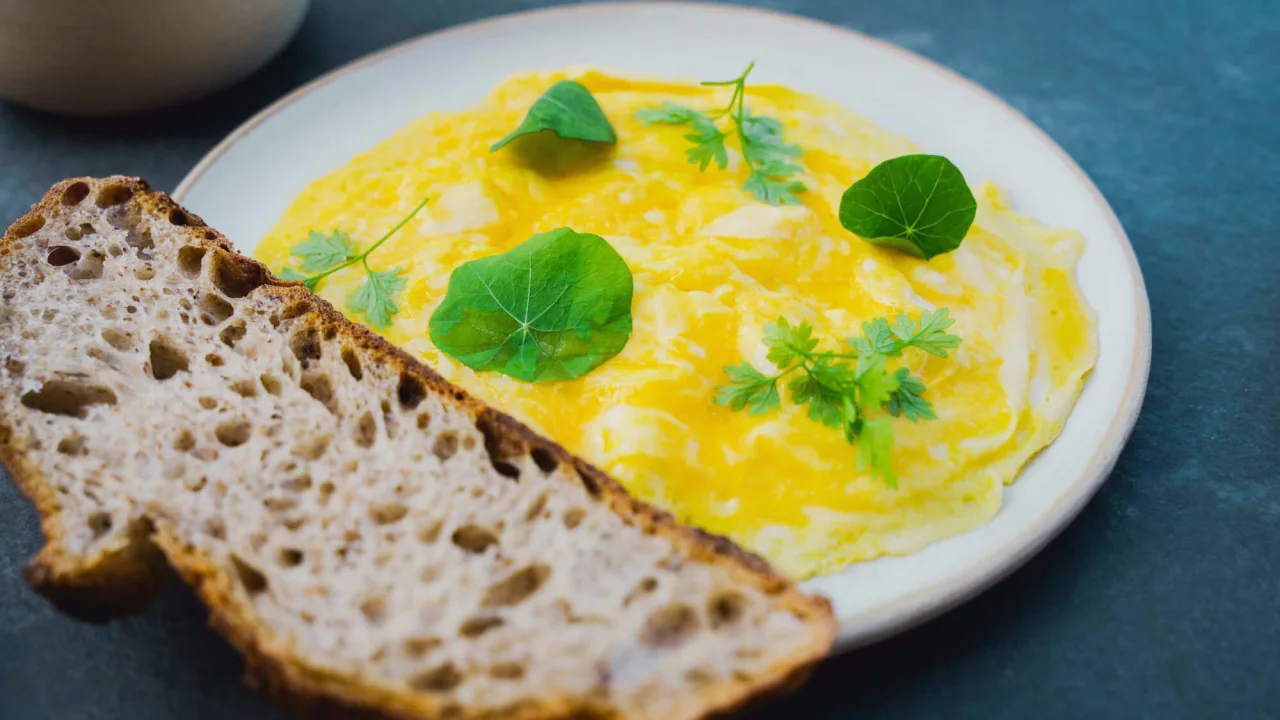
[845,390]
[324,255]
[771,160]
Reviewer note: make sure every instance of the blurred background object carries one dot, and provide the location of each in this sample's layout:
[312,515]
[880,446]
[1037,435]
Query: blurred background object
[117,57]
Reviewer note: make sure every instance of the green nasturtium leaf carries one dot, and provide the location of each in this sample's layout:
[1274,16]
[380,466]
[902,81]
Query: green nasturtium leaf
[919,204]
[570,111]
[555,307]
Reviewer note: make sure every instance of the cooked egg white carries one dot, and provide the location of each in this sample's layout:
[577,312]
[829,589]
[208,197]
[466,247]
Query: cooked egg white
[712,266]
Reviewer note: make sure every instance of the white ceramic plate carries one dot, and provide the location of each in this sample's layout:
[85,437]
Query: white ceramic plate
[247,182]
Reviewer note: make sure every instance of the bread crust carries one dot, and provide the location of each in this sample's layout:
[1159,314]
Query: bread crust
[124,580]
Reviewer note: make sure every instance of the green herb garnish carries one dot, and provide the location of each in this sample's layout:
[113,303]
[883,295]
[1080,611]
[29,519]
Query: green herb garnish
[570,111]
[771,160]
[919,204]
[325,255]
[845,390]
[554,307]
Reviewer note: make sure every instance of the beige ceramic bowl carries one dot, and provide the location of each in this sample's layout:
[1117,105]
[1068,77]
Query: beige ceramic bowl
[111,57]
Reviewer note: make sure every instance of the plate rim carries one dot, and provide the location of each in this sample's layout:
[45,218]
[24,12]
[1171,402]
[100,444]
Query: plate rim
[924,604]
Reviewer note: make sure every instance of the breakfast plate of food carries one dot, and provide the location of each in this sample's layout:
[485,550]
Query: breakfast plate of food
[527,353]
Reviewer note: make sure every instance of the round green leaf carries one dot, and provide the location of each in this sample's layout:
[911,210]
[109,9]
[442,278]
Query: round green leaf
[919,204]
[555,307]
[570,111]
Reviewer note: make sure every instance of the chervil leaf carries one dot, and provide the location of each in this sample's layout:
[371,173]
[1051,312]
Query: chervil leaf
[927,333]
[785,340]
[750,389]
[823,388]
[569,110]
[320,252]
[770,160]
[669,113]
[906,399]
[918,204]
[875,385]
[771,191]
[293,275]
[875,450]
[376,297]
[554,307]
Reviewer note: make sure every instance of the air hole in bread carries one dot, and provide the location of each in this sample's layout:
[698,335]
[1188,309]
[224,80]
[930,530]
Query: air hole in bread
[68,397]
[195,484]
[27,226]
[14,366]
[233,333]
[502,448]
[89,267]
[669,625]
[214,360]
[507,671]
[289,557]
[411,391]
[318,386]
[544,459]
[75,193]
[118,339]
[312,449]
[131,309]
[100,523]
[167,359]
[536,508]
[295,522]
[60,255]
[145,274]
[72,445]
[245,388]
[216,527]
[279,504]
[438,679]
[49,315]
[297,309]
[205,454]
[233,433]
[142,242]
[302,483]
[208,403]
[185,441]
[573,518]
[352,362]
[477,626]
[644,587]
[235,276]
[75,233]
[517,587]
[366,431]
[725,608]
[115,250]
[417,647]
[326,490]
[190,258]
[270,384]
[305,345]
[214,310]
[374,609]
[431,532]
[446,445]
[424,420]
[252,579]
[181,219]
[387,514]
[698,676]
[113,194]
[473,538]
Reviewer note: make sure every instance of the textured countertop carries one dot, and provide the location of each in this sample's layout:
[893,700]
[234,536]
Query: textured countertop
[1162,600]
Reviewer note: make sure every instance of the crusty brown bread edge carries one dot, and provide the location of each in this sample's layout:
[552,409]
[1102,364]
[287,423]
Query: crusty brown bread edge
[126,581]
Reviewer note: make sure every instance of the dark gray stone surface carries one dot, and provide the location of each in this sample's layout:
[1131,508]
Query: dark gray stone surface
[1160,601]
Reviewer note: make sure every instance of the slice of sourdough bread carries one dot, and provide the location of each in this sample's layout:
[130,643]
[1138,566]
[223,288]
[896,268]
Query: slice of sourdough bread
[376,542]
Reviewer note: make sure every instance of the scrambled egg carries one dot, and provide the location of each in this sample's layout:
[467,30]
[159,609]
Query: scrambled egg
[712,266]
